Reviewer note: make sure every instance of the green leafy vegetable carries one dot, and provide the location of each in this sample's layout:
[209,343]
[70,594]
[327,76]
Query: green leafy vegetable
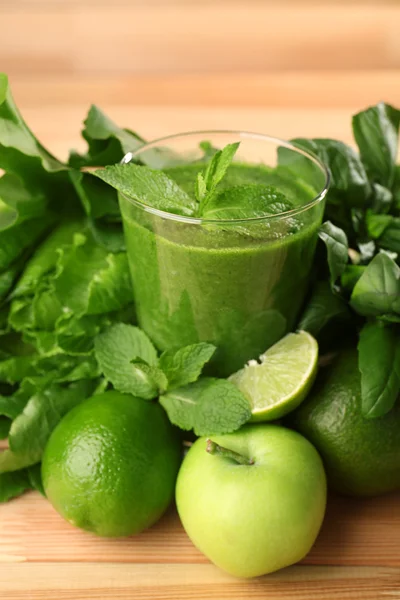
[337,249]
[107,143]
[128,360]
[184,365]
[323,308]
[207,182]
[149,186]
[209,407]
[14,484]
[377,292]
[379,363]
[31,429]
[376,133]
[20,152]
[246,202]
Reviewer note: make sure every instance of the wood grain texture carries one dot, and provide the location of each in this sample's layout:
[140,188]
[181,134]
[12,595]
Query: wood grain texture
[74,38]
[113,581]
[355,533]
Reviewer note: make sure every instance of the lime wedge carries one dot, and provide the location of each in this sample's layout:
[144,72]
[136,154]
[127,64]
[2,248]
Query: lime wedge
[281,379]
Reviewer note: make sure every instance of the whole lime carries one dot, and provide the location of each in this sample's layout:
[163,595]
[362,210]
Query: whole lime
[361,456]
[110,465]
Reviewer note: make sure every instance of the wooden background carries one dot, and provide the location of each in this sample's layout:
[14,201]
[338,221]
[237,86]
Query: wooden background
[284,67]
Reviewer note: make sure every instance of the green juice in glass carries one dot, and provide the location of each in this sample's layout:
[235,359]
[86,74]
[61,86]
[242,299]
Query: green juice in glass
[238,285]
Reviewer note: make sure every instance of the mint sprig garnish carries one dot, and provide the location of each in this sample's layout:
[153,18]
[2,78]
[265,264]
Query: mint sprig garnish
[208,181]
[209,407]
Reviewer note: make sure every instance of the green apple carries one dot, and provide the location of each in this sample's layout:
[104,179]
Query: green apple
[252,501]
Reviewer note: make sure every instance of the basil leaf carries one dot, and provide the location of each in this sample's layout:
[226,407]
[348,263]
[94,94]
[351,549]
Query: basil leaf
[379,364]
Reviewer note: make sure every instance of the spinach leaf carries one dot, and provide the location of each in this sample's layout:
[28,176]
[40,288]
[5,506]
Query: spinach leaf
[376,132]
[336,244]
[377,292]
[350,186]
[323,308]
[390,238]
[379,364]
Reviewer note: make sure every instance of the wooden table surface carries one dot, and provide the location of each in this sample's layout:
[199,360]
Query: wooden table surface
[357,555]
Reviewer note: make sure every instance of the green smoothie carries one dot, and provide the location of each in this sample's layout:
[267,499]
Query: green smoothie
[239,285]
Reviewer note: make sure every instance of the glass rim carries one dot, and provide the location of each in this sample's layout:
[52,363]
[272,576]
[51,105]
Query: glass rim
[241,134]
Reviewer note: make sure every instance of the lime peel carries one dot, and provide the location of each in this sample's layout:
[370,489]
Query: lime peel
[282,377]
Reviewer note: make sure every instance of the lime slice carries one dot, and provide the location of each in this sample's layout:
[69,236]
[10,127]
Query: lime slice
[281,379]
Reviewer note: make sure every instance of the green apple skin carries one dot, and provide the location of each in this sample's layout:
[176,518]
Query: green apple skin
[251,520]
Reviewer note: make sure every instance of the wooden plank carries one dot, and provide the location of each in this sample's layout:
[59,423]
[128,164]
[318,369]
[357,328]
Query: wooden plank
[363,533]
[72,39]
[314,89]
[203,582]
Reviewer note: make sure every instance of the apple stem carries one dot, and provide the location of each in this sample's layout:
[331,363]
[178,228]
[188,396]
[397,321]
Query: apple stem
[213,448]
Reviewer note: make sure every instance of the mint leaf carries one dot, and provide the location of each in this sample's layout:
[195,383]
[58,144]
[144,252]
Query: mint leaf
[215,171]
[208,406]
[336,244]
[246,202]
[148,186]
[184,366]
[376,132]
[377,292]
[128,359]
[324,307]
[379,364]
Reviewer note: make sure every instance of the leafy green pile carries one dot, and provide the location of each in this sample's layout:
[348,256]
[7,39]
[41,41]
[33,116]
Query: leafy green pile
[66,313]
[67,322]
[362,238]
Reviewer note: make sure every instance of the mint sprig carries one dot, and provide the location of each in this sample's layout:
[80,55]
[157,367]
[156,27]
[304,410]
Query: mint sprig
[208,181]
